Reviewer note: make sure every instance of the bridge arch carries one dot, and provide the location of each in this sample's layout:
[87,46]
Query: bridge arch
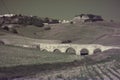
[84,51]
[70,50]
[98,50]
[57,51]
[44,50]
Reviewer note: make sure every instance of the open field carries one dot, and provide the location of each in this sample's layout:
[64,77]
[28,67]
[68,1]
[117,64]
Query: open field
[14,56]
[23,63]
[31,63]
[105,33]
[21,59]
[81,33]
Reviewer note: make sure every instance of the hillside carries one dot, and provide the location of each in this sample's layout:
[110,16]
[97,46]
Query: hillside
[82,33]
[32,63]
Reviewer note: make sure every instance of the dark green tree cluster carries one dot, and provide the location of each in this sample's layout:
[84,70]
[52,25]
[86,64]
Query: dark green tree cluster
[27,20]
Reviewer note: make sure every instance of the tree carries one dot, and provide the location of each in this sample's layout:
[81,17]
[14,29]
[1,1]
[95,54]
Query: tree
[47,28]
[46,20]
[2,43]
[6,28]
[14,31]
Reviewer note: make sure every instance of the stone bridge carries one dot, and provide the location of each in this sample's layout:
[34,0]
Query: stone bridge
[78,49]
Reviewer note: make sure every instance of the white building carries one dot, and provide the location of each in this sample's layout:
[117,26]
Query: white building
[7,15]
[87,18]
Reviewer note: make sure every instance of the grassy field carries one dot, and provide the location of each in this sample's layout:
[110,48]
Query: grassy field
[77,33]
[31,31]
[26,63]
[14,56]
[17,61]
[80,33]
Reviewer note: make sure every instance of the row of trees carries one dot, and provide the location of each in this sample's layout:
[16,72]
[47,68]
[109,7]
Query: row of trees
[27,20]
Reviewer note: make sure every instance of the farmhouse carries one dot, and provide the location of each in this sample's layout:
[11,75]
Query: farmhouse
[87,18]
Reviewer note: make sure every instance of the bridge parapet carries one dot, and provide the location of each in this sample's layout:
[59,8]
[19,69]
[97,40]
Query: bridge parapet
[76,47]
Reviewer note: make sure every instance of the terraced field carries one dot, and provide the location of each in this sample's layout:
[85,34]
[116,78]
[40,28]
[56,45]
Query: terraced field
[104,71]
[108,69]
[18,63]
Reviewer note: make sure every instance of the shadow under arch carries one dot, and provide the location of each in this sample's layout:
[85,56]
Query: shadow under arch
[44,50]
[2,43]
[57,51]
[98,50]
[84,51]
[70,50]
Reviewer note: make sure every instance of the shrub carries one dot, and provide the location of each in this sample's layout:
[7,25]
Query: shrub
[71,22]
[59,76]
[111,20]
[47,28]
[54,21]
[66,41]
[14,31]
[38,23]
[2,43]
[46,20]
[6,28]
